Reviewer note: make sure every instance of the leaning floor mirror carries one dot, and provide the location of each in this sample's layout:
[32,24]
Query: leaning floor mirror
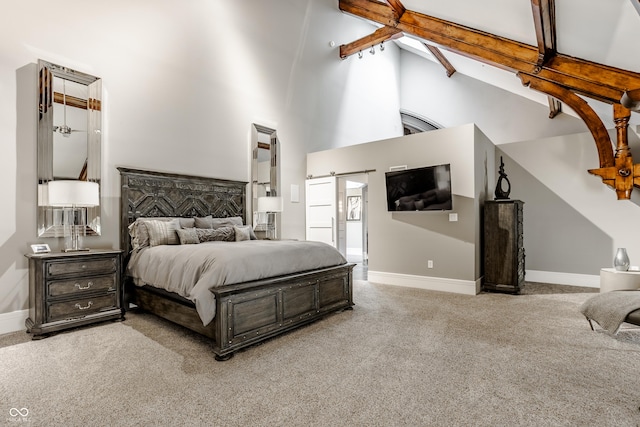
[69,147]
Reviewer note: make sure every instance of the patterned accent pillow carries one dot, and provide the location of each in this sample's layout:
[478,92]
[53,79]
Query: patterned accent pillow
[242,233]
[222,234]
[188,236]
[163,232]
[140,234]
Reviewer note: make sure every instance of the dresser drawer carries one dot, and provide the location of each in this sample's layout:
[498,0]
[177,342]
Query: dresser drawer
[91,266]
[81,285]
[81,307]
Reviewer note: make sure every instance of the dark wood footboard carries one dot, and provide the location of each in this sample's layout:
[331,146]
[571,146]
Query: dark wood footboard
[252,312]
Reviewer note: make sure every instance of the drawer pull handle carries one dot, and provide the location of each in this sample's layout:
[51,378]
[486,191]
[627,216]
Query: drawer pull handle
[84,266]
[89,284]
[79,307]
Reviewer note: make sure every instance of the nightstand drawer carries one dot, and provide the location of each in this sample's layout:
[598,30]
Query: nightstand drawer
[81,307]
[91,266]
[81,285]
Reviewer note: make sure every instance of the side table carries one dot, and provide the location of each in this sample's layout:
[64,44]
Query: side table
[614,280]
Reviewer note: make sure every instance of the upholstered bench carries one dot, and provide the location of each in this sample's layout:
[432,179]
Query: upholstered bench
[611,309]
[633,318]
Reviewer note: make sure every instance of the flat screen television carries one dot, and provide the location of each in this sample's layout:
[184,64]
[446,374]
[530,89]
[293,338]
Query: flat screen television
[419,189]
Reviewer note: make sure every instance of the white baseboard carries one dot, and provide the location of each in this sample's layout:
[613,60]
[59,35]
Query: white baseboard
[571,279]
[13,322]
[467,287]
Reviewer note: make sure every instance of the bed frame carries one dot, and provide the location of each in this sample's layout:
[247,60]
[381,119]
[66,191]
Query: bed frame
[246,313]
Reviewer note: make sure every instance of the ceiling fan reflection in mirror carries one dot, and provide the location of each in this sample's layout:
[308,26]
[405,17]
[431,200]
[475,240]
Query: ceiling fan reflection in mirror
[64,129]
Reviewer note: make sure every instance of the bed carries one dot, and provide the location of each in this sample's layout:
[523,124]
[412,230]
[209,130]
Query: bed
[245,308]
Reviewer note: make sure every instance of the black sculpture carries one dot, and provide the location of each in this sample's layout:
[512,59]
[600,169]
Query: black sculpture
[500,193]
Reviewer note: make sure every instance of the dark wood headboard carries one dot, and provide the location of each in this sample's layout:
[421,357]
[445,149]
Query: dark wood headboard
[158,194]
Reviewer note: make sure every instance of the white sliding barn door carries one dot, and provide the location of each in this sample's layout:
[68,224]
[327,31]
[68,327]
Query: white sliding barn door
[321,212]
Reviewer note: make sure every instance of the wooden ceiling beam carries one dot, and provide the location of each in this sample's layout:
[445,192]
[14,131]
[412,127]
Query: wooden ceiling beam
[397,7]
[581,107]
[71,101]
[437,53]
[382,34]
[544,21]
[555,107]
[597,81]
[631,99]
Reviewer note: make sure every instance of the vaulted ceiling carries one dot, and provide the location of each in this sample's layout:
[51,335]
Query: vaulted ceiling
[580,53]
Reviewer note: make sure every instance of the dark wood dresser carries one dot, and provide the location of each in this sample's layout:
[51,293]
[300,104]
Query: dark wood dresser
[73,289]
[503,246]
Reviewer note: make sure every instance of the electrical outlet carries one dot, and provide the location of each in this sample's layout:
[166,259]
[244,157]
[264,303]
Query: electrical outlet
[453,217]
[430,263]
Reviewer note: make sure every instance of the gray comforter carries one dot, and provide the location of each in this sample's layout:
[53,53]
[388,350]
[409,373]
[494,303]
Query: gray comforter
[191,270]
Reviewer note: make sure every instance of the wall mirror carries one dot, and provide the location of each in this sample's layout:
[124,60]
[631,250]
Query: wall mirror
[265,178]
[69,141]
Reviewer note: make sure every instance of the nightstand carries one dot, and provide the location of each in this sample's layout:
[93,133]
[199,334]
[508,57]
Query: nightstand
[73,289]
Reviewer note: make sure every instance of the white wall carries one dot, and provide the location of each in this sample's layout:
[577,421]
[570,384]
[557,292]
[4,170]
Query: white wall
[458,100]
[572,222]
[182,83]
[401,243]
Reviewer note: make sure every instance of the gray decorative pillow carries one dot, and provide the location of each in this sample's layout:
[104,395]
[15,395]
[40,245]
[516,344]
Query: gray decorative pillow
[226,222]
[203,222]
[232,221]
[187,222]
[163,232]
[223,234]
[188,236]
[242,233]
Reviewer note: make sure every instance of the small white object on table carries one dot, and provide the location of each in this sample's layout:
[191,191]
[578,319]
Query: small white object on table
[615,280]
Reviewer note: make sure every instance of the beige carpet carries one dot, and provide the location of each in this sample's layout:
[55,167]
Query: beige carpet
[402,357]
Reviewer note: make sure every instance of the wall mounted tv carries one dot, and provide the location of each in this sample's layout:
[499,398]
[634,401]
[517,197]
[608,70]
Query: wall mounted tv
[420,189]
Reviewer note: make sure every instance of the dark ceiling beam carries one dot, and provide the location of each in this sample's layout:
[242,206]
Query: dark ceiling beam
[597,81]
[437,53]
[382,34]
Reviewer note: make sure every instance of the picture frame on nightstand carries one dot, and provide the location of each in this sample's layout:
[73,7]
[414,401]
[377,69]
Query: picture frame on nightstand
[40,248]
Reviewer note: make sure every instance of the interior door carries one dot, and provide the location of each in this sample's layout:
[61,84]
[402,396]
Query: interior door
[321,210]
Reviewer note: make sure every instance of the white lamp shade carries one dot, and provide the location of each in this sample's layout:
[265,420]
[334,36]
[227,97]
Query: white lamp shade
[269,204]
[43,195]
[73,193]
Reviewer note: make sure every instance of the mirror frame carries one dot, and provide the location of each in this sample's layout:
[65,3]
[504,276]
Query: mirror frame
[50,219]
[274,169]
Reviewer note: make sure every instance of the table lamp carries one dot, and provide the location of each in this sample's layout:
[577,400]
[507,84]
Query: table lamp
[76,195]
[271,205]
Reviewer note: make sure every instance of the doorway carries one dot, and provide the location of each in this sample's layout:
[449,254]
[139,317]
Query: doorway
[336,213]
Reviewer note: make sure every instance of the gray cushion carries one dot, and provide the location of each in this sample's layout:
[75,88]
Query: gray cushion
[188,236]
